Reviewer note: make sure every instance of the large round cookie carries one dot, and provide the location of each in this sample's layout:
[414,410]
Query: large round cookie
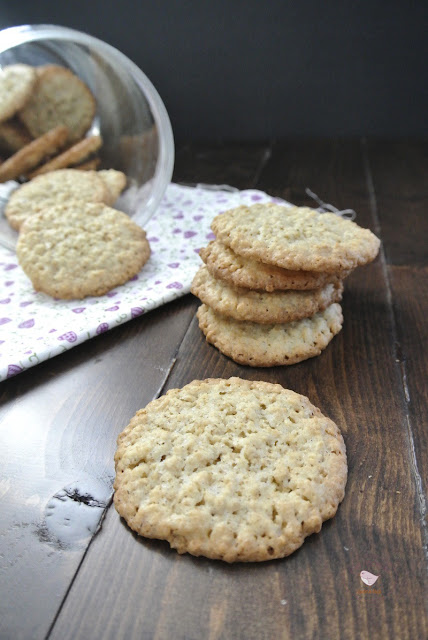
[79,249]
[230,469]
[59,98]
[55,187]
[270,345]
[295,237]
[225,264]
[261,306]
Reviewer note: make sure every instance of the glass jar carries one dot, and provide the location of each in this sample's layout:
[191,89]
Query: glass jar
[131,117]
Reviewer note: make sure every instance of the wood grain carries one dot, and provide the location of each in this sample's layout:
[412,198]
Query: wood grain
[399,186]
[316,592]
[399,171]
[58,426]
[59,421]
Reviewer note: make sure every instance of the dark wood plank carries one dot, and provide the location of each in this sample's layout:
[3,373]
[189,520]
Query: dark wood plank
[399,181]
[58,425]
[131,588]
[377,400]
[399,177]
[318,165]
[410,294]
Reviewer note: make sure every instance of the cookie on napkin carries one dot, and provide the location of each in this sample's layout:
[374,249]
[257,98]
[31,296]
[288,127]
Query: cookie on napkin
[78,249]
[55,187]
[230,469]
[260,306]
[270,345]
[295,237]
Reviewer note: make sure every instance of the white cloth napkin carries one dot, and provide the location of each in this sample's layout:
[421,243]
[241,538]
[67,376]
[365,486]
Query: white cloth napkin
[35,327]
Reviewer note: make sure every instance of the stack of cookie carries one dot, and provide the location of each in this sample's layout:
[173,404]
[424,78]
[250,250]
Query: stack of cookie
[273,279]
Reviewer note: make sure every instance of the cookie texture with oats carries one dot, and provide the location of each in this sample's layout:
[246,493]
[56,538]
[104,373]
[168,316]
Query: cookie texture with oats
[230,469]
[238,271]
[33,153]
[295,237]
[16,85]
[59,97]
[260,306]
[55,187]
[79,249]
[270,345]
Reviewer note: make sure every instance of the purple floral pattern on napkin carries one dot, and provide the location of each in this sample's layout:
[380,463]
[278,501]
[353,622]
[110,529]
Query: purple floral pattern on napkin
[35,327]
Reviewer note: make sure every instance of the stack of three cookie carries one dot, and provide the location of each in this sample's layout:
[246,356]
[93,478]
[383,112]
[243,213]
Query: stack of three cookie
[273,279]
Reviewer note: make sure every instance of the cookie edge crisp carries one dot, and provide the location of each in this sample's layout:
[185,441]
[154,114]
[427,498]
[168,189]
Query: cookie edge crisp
[261,307]
[336,481]
[16,217]
[248,273]
[66,291]
[326,259]
[234,351]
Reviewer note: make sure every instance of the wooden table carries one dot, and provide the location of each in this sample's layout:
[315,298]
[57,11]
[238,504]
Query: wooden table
[70,568]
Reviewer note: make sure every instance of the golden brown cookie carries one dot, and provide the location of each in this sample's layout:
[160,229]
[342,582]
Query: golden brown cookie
[80,249]
[115,182]
[71,156]
[238,271]
[270,345]
[59,98]
[32,154]
[230,469]
[261,306]
[89,165]
[296,238]
[56,187]
[16,85]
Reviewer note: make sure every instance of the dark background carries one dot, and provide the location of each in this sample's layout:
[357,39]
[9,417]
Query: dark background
[247,69]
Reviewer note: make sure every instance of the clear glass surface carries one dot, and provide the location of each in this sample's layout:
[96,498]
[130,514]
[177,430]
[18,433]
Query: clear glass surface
[131,117]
